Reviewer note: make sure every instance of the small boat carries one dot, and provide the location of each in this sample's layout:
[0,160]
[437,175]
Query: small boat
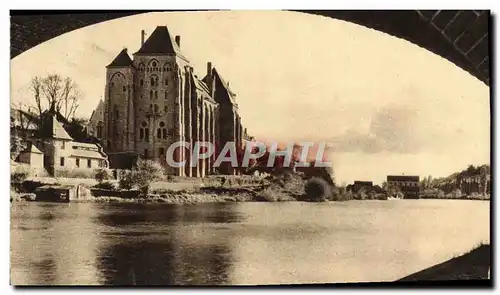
[393,198]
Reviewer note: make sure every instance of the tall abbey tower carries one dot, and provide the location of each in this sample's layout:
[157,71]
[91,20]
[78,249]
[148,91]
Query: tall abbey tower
[155,99]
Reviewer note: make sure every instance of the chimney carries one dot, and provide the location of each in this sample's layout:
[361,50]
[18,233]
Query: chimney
[178,40]
[209,68]
[143,34]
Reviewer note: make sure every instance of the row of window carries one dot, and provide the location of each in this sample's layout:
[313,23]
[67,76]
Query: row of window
[77,162]
[156,109]
[155,67]
[404,184]
[153,81]
[161,133]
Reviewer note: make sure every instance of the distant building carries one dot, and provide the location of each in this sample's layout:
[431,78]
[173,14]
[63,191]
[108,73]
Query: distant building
[480,184]
[408,185]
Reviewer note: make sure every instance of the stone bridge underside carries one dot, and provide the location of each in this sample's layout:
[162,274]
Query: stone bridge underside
[461,36]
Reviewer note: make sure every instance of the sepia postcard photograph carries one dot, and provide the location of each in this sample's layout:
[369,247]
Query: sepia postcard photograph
[250,148]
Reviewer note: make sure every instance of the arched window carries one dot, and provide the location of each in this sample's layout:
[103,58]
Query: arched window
[166,94]
[165,109]
[141,82]
[142,130]
[156,108]
[156,94]
[99,129]
[167,67]
[162,131]
[166,81]
[154,80]
[151,95]
[141,67]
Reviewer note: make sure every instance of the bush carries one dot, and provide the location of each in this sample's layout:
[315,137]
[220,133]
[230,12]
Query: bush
[101,174]
[18,177]
[274,194]
[127,180]
[105,185]
[318,190]
[145,172]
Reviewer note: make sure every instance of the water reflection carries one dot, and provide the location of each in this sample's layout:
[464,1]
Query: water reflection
[167,251]
[239,243]
[52,245]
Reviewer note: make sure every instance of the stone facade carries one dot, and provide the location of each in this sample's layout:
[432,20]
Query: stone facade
[156,99]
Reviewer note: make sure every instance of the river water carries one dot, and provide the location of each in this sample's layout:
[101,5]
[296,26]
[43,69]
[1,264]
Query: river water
[239,243]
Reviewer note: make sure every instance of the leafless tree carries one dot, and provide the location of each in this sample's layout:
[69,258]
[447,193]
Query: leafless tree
[57,93]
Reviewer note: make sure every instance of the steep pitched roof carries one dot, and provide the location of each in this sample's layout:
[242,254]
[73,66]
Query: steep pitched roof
[52,127]
[160,42]
[31,148]
[121,60]
[201,86]
[216,75]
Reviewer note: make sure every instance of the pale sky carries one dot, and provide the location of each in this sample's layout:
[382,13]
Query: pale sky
[386,105]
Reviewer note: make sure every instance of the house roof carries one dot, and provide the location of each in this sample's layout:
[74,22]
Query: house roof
[31,148]
[160,42]
[52,127]
[402,178]
[87,150]
[87,154]
[121,60]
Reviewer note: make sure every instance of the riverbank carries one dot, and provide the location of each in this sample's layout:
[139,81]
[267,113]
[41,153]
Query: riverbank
[273,188]
[474,265]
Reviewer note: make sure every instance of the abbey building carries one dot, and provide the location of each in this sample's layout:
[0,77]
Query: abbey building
[154,99]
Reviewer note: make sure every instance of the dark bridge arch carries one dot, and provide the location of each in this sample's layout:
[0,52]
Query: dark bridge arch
[461,36]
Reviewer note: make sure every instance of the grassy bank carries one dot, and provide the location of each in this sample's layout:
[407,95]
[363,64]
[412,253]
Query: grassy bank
[473,265]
